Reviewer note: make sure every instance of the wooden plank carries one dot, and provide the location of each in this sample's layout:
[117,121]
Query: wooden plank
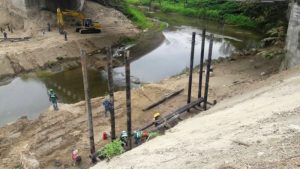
[165,98]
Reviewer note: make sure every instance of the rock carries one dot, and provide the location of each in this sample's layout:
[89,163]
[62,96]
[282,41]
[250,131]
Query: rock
[259,154]
[263,73]
[268,41]
[232,59]
[253,51]
[262,53]
[23,118]
[246,53]
[57,163]
[29,161]
[294,127]
[15,135]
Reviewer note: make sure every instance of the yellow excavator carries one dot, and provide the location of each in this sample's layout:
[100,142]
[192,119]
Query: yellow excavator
[86,26]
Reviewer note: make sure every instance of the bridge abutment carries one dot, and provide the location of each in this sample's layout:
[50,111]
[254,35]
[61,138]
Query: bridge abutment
[21,7]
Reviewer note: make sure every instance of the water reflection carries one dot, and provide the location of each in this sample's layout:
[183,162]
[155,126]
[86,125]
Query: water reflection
[22,97]
[172,56]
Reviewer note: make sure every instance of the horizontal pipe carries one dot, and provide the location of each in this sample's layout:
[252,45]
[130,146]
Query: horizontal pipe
[174,113]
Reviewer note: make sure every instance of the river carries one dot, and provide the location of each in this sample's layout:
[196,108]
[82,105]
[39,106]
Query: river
[27,96]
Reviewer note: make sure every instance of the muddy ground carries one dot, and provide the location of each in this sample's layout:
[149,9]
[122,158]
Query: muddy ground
[51,138]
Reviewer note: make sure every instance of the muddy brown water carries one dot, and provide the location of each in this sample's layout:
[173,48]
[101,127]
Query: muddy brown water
[28,96]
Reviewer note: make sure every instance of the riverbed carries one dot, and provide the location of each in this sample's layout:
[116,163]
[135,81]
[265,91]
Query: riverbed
[27,96]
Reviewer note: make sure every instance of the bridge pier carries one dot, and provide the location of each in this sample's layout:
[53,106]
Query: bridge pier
[293,37]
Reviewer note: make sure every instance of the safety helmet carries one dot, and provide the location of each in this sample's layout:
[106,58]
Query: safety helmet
[75,151]
[51,90]
[157,114]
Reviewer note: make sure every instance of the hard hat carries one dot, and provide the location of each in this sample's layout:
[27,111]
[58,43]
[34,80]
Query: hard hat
[157,114]
[50,90]
[75,151]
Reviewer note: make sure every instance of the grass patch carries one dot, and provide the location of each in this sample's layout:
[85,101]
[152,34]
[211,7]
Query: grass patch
[112,149]
[228,12]
[126,40]
[137,17]
[42,74]
[240,20]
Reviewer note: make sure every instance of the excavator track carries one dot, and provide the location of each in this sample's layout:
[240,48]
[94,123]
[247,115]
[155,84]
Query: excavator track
[89,31]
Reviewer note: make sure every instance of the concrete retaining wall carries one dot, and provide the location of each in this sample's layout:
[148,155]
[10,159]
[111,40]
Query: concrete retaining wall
[21,7]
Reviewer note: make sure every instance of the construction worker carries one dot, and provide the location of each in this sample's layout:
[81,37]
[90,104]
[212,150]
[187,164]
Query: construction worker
[49,27]
[124,138]
[137,135]
[156,117]
[66,36]
[145,135]
[5,35]
[105,135]
[53,98]
[107,105]
[76,157]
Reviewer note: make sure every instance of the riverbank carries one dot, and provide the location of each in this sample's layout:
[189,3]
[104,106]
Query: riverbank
[50,50]
[51,138]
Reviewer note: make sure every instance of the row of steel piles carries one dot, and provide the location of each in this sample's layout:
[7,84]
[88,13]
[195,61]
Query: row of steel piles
[111,94]
[201,95]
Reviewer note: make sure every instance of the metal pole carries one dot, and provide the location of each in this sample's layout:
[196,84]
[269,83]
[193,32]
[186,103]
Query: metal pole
[201,63]
[128,96]
[191,68]
[111,92]
[88,106]
[208,70]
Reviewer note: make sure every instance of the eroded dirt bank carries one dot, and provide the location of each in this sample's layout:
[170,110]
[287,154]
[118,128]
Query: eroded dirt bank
[51,138]
[255,129]
[42,50]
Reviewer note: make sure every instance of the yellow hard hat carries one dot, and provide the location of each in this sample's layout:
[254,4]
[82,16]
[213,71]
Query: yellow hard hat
[157,114]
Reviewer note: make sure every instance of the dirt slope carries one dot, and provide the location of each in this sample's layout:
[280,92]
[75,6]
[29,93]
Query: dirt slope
[258,129]
[52,137]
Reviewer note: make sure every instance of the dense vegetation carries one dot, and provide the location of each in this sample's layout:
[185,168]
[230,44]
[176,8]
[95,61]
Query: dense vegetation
[247,15]
[136,16]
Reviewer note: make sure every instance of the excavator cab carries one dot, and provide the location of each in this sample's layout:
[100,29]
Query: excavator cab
[87,22]
[89,26]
